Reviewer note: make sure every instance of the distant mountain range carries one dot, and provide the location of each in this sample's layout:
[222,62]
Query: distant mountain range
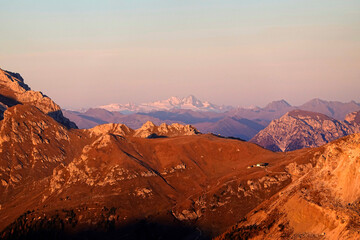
[227,121]
[190,102]
[273,110]
[205,122]
[276,109]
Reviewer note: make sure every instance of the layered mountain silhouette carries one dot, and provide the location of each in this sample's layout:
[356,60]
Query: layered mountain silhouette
[242,123]
[276,109]
[271,111]
[303,129]
[165,182]
[334,109]
[207,122]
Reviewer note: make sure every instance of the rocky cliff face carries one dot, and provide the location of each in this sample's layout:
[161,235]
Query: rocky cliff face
[322,202]
[302,129]
[31,145]
[14,91]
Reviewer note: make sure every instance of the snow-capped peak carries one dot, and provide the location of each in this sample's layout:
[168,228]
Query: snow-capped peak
[189,102]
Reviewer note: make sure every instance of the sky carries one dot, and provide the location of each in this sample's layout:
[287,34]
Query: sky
[86,53]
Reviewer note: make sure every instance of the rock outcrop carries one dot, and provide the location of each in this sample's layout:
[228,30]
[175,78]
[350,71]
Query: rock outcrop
[150,130]
[353,118]
[111,128]
[302,129]
[14,91]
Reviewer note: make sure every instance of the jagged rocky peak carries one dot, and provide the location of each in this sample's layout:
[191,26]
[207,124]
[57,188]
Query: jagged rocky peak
[149,129]
[302,129]
[148,125]
[14,91]
[191,99]
[111,128]
[190,102]
[13,81]
[353,118]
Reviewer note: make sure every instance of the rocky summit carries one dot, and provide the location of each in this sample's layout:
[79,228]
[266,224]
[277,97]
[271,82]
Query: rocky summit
[303,129]
[14,91]
[165,181]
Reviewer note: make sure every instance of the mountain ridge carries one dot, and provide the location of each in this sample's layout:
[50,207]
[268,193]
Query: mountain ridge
[228,124]
[302,129]
[112,181]
[270,111]
[322,202]
[14,91]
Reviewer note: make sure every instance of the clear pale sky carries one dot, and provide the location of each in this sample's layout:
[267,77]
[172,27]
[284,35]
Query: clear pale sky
[86,53]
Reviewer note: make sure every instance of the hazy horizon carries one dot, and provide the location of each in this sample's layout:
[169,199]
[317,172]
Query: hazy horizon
[239,53]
